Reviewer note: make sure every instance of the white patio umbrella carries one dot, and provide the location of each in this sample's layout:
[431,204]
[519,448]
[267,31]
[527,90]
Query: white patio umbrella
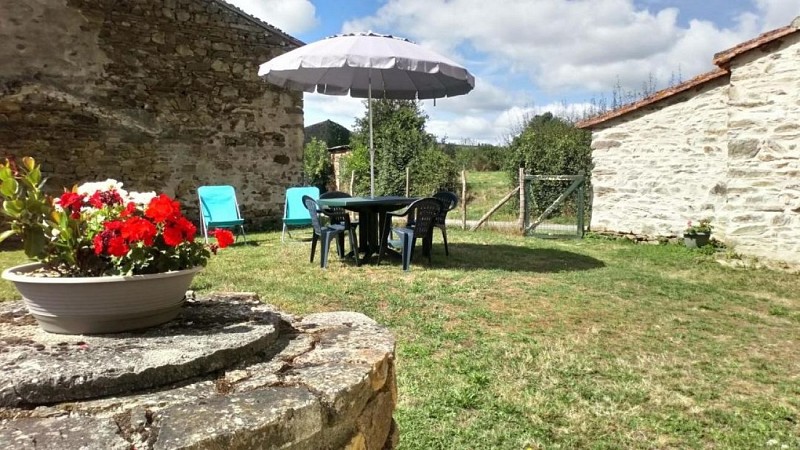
[367,65]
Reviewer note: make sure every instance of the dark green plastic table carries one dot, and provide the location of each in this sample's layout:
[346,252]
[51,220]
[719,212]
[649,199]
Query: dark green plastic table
[371,216]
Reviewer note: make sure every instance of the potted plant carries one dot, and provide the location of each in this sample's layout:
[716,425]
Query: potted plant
[108,260]
[696,236]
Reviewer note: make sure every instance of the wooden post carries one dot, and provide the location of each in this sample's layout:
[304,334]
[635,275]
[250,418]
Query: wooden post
[463,199]
[522,199]
[352,181]
[408,179]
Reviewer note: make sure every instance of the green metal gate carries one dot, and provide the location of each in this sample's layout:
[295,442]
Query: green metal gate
[554,205]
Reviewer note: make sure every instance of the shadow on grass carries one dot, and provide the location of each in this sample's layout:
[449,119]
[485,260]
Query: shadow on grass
[509,257]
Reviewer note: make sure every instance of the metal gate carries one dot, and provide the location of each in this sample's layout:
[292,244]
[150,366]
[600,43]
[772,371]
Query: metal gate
[554,205]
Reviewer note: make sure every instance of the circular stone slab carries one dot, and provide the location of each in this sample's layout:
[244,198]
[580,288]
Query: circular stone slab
[37,367]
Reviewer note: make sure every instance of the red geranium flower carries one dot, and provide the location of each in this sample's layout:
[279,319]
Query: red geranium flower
[117,246]
[105,198]
[110,240]
[172,236]
[224,237]
[162,208]
[129,210]
[98,243]
[137,229]
[72,202]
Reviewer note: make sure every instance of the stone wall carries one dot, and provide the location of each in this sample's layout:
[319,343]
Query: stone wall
[159,94]
[763,167]
[229,373]
[662,165]
[728,150]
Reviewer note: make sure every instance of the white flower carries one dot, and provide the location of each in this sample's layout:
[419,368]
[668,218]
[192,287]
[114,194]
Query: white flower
[140,198]
[108,185]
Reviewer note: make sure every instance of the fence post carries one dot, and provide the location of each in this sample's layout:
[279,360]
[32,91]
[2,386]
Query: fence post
[408,179]
[581,195]
[463,199]
[522,199]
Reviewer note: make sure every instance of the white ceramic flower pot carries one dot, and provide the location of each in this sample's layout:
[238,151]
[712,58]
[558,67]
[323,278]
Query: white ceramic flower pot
[94,305]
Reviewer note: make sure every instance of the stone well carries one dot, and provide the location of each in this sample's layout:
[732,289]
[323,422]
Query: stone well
[229,373]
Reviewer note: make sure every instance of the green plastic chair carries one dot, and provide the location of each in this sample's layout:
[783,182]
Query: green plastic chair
[219,209]
[422,218]
[295,213]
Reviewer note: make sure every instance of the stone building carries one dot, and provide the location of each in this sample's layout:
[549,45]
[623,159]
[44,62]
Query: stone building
[159,94]
[723,145]
[329,132]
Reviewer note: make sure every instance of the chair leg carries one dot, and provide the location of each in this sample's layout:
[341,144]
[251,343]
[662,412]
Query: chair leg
[340,245]
[444,237]
[382,243]
[244,236]
[313,246]
[283,233]
[427,245]
[326,246]
[205,229]
[353,244]
[408,249]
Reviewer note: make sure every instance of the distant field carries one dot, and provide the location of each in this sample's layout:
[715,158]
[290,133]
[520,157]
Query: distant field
[484,190]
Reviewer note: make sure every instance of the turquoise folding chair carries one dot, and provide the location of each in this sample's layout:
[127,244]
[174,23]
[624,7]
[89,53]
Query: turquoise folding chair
[295,213]
[219,209]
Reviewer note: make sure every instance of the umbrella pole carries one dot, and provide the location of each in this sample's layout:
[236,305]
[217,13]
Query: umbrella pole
[371,148]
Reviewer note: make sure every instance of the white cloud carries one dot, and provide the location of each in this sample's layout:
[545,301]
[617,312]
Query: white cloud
[291,16]
[566,45]
[523,51]
[340,109]
[777,13]
[563,49]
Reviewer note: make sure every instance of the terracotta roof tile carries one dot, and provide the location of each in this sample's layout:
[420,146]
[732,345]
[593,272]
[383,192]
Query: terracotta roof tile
[650,99]
[724,57]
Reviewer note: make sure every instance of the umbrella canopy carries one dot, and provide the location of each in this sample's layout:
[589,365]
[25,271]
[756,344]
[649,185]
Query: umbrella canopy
[367,65]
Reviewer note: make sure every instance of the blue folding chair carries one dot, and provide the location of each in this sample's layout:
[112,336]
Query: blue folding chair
[295,213]
[219,209]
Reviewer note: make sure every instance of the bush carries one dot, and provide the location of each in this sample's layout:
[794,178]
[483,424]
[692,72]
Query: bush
[431,171]
[317,167]
[357,161]
[549,145]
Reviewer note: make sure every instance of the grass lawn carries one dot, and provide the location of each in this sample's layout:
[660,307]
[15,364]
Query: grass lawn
[484,191]
[514,342]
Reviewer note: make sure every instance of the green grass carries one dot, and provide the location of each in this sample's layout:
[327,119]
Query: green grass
[484,191]
[513,343]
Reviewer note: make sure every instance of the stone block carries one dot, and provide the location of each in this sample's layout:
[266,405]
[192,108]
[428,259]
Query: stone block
[274,398]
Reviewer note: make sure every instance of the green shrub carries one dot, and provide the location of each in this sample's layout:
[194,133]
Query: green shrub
[317,167]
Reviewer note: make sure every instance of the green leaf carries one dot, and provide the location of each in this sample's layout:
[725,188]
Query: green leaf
[6,234]
[14,208]
[34,242]
[5,172]
[9,187]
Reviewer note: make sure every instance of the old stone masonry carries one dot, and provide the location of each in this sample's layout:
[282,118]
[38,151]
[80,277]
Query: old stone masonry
[229,373]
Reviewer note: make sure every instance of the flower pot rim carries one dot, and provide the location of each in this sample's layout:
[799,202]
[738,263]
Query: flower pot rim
[696,234]
[19,274]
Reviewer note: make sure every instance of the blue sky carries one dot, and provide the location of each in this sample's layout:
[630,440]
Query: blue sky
[531,56]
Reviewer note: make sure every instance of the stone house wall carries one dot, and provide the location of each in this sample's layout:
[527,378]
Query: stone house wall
[727,149]
[159,94]
[649,176]
[762,211]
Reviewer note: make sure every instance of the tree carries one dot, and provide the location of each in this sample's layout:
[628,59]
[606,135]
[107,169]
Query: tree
[399,137]
[317,167]
[549,145]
